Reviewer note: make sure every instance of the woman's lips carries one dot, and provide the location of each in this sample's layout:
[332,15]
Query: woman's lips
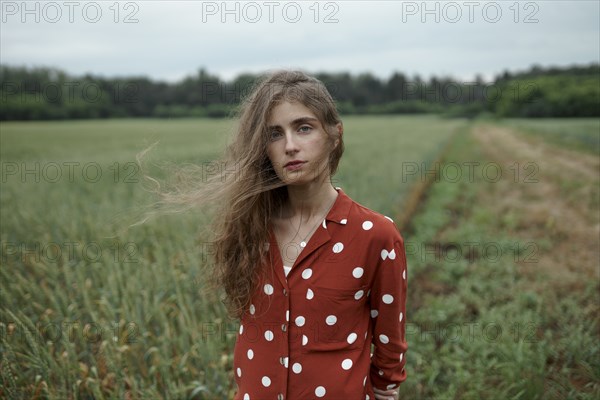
[294,165]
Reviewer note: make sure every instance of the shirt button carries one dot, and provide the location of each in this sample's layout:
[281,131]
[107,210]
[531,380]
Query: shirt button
[284,292]
[281,361]
[279,396]
[283,327]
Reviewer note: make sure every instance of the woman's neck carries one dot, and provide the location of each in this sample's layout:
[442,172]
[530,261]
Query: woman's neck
[310,201]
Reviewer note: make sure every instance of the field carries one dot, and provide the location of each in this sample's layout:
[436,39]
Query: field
[574,133]
[92,310]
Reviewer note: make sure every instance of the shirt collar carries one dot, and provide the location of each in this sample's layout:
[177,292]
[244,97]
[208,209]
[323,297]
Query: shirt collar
[341,208]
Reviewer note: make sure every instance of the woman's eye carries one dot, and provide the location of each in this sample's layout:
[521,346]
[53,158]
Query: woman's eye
[275,134]
[305,128]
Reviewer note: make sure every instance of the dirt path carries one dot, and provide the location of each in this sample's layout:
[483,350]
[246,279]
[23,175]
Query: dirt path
[554,199]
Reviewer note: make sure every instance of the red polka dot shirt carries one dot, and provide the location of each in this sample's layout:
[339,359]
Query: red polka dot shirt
[309,329]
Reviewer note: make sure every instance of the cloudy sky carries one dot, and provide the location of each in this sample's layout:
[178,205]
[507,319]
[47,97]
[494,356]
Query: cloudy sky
[168,40]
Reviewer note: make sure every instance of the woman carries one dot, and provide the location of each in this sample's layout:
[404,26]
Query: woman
[334,276]
[313,276]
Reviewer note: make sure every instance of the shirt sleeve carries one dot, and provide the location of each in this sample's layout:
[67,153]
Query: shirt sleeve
[388,310]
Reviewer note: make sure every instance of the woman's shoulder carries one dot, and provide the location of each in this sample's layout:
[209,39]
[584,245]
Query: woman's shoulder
[372,221]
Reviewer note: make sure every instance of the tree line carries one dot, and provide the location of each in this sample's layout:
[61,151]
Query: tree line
[49,93]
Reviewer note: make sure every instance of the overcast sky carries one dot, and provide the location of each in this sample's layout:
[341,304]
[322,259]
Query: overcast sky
[168,40]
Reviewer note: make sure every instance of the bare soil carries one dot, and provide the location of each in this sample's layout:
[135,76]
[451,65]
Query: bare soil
[555,201]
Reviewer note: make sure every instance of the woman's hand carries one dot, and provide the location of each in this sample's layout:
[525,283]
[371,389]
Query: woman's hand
[385,394]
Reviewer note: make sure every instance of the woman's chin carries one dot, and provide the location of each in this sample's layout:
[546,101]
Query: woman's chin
[300,177]
[292,177]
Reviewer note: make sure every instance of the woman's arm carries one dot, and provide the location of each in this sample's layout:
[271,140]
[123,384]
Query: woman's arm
[388,309]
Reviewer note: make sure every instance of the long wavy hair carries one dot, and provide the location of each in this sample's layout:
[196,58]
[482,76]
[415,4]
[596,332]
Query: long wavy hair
[248,192]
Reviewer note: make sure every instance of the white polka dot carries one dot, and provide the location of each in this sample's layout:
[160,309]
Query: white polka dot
[393,385]
[246,396]
[304,340]
[285,361]
[287,315]
[352,338]
[252,309]
[297,368]
[358,295]
[358,272]
[384,254]
[367,397]
[384,339]
[365,381]
[250,354]
[307,273]
[404,274]
[347,364]
[239,372]
[324,225]
[367,225]
[389,218]
[241,329]
[331,320]
[300,320]
[401,356]
[401,316]
[266,381]
[338,247]
[268,289]
[344,221]
[387,298]
[320,391]
[269,335]
[380,372]
[374,313]
[309,294]
[392,254]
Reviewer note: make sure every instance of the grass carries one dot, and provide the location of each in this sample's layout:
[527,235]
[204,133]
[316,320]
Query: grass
[484,324]
[581,134]
[89,313]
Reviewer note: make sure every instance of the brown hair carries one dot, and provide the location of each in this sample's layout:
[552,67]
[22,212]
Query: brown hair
[248,198]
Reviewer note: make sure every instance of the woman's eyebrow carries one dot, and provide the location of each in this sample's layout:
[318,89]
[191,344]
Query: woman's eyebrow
[297,121]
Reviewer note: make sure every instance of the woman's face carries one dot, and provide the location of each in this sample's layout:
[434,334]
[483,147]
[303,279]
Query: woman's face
[299,147]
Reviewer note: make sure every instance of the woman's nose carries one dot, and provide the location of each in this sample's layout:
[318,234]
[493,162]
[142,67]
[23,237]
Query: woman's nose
[290,144]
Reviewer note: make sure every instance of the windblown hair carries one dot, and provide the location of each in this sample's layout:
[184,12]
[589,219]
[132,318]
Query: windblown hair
[248,193]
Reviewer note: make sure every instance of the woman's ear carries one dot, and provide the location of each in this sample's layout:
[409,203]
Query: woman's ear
[340,130]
